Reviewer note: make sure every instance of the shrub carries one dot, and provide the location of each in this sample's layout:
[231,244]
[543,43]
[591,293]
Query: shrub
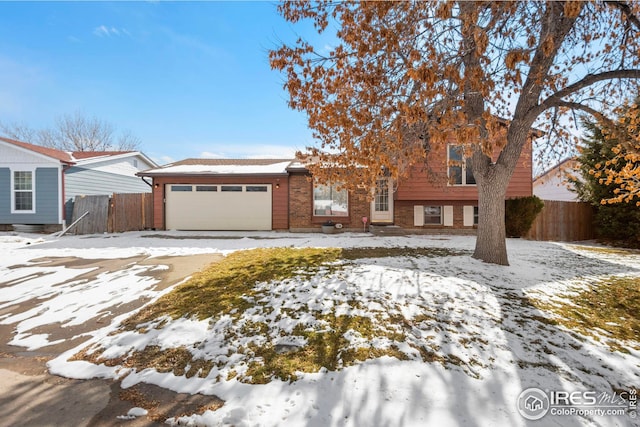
[520,213]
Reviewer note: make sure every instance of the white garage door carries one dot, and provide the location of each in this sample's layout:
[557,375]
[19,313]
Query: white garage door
[218,207]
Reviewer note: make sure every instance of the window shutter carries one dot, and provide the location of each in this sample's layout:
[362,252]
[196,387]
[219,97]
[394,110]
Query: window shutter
[418,216]
[448,216]
[468,216]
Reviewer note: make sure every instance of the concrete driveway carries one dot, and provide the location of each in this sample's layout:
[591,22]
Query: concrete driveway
[30,396]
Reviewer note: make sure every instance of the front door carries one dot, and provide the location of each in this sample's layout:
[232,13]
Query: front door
[382,204]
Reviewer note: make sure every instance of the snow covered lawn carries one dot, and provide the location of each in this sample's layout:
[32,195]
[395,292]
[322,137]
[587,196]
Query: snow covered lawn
[434,339]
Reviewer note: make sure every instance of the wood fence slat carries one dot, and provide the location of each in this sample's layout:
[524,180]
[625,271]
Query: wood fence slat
[97,220]
[563,221]
[115,214]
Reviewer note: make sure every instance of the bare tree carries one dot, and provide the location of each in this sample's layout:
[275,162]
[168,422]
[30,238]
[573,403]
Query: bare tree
[74,132]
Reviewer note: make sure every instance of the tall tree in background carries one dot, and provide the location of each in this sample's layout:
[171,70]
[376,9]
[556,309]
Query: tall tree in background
[621,170]
[405,76]
[74,132]
[617,215]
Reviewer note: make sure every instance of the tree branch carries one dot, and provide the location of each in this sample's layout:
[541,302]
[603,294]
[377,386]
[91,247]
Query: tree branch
[556,100]
[626,11]
[578,106]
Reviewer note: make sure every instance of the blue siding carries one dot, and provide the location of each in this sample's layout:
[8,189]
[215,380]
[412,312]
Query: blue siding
[5,195]
[47,198]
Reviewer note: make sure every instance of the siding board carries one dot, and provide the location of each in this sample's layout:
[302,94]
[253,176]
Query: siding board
[433,185]
[46,198]
[88,182]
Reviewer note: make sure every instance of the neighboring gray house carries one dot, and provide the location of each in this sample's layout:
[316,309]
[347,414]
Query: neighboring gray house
[554,183]
[105,172]
[36,183]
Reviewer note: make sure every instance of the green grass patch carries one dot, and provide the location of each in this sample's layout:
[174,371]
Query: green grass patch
[373,252]
[326,347]
[229,285]
[608,311]
[606,251]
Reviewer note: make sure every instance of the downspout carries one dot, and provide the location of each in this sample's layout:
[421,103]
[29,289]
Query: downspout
[146,182]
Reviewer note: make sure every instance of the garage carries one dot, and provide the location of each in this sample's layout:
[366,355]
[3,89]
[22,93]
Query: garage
[218,206]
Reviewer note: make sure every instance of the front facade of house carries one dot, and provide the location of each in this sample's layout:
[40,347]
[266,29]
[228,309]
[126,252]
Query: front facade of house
[264,194]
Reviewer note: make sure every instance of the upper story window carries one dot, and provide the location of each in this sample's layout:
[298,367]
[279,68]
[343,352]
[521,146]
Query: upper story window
[23,192]
[460,172]
[328,200]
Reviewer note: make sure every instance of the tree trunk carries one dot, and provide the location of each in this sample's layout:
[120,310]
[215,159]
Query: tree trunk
[491,245]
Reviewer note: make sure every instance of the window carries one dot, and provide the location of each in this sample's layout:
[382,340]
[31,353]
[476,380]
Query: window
[23,191]
[181,188]
[475,215]
[232,188]
[329,201]
[432,215]
[256,188]
[460,172]
[206,188]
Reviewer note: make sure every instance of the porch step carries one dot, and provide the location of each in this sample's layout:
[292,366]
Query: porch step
[387,230]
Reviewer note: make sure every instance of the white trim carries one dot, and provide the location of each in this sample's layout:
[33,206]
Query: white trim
[333,187]
[61,196]
[32,153]
[447,216]
[23,168]
[463,169]
[97,159]
[418,216]
[467,216]
[440,216]
[383,216]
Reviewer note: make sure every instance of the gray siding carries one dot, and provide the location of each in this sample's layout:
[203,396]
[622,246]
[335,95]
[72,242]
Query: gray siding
[88,182]
[47,198]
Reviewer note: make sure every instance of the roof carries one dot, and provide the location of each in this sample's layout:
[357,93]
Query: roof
[84,158]
[60,155]
[568,163]
[74,157]
[79,155]
[222,167]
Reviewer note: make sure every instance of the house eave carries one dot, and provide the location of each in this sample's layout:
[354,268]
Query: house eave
[212,175]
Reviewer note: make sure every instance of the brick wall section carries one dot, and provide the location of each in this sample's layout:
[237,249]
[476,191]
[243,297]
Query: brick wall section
[301,216]
[403,214]
[300,208]
[280,202]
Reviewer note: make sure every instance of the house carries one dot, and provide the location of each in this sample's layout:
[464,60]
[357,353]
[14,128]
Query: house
[280,194]
[104,172]
[553,184]
[37,182]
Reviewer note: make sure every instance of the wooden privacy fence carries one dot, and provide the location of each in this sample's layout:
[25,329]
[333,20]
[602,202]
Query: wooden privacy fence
[113,214]
[563,221]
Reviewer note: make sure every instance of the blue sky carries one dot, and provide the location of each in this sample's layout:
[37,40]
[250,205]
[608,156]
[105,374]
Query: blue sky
[189,79]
